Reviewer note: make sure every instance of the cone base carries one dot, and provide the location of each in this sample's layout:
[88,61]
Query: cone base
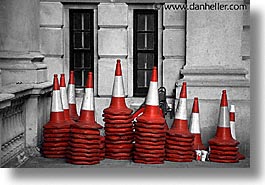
[179,152]
[64,148]
[118,138]
[84,150]
[224,153]
[118,150]
[180,148]
[118,121]
[224,157]
[151,139]
[63,135]
[127,125]
[177,133]
[54,156]
[151,135]
[84,131]
[57,144]
[178,156]
[79,162]
[142,142]
[146,155]
[150,126]
[158,147]
[223,148]
[179,139]
[119,134]
[118,154]
[152,131]
[85,136]
[178,143]
[119,130]
[148,151]
[54,139]
[119,146]
[84,146]
[117,117]
[56,131]
[223,160]
[85,141]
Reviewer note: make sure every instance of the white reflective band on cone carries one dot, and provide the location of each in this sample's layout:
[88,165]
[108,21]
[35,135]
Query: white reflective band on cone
[232,108]
[71,94]
[181,112]
[195,123]
[64,98]
[224,117]
[56,101]
[118,88]
[233,129]
[152,96]
[88,100]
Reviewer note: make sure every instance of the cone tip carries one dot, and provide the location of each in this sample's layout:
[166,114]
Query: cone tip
[154,77]
[62,81]
[56,82]
[224,102]
[89,80]
[118,71]
[183,92]
[195,108]
[72,77]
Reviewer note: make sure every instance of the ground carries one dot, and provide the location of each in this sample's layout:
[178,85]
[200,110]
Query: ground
[41,162]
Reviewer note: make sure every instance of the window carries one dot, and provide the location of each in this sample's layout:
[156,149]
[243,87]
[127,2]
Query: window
[81,44]
[145,49]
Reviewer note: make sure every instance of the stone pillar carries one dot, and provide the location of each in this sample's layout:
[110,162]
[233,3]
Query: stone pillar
[112,44]
[173,46]
[213,52]
[20,59]
[213,63]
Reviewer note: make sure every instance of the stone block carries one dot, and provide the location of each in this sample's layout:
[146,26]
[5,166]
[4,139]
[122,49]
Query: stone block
[51,14]
[112,14]
[246,16]
[174,42]
[54,66]
[215,40]
[246,42]
[112,42]
[173,17]
[51,41]
[171,73]
[246,63]
[106,72]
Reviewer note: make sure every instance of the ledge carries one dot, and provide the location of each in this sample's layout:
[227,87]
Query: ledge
[5,100]
[213,71]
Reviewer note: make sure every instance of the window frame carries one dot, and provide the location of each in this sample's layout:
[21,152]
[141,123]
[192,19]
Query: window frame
[73,50]
[139,91]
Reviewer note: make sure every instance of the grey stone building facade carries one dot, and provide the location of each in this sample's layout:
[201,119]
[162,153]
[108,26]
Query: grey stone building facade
[208,49]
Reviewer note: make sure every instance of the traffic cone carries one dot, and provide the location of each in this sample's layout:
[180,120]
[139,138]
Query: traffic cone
[150,128]
[223,134]
[118,105]
[57,130]
[233,128]
[57,113]
[85,143]
[71,97]
[179,140]
[180,124]
[223,146]
[118,122]
[195,126]
[65,100]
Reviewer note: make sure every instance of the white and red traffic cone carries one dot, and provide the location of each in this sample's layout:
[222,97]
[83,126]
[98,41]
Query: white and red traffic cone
[223,148]
[57,130]
[71,97]
[150,129]
[118,105]
[65,99]
[195,126]
[87,114]
[85,139]
[233,127]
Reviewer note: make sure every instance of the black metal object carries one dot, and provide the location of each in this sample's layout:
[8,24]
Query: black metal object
[163,103]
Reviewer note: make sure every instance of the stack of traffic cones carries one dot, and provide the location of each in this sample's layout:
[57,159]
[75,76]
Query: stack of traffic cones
[71,97]
[195,126]
[150,129]
[118,122]
[56,132]
[233,128]
[223,148]
[102,147]
[179,140]
[84,145]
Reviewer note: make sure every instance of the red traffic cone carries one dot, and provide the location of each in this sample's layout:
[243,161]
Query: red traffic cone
[233,128]
[87,114]
[180,124]
[232,121]
[195,126]
[71,97]
[57,114]
[64,99]
[152,112]
[117,105]
[223,134]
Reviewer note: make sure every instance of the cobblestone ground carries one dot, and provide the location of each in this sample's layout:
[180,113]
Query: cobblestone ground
[41,162]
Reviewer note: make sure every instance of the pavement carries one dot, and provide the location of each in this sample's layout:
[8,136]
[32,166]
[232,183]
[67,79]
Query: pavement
[41,162]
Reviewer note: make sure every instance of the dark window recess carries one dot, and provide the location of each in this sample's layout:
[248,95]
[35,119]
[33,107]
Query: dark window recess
[81,44]
[144,49]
